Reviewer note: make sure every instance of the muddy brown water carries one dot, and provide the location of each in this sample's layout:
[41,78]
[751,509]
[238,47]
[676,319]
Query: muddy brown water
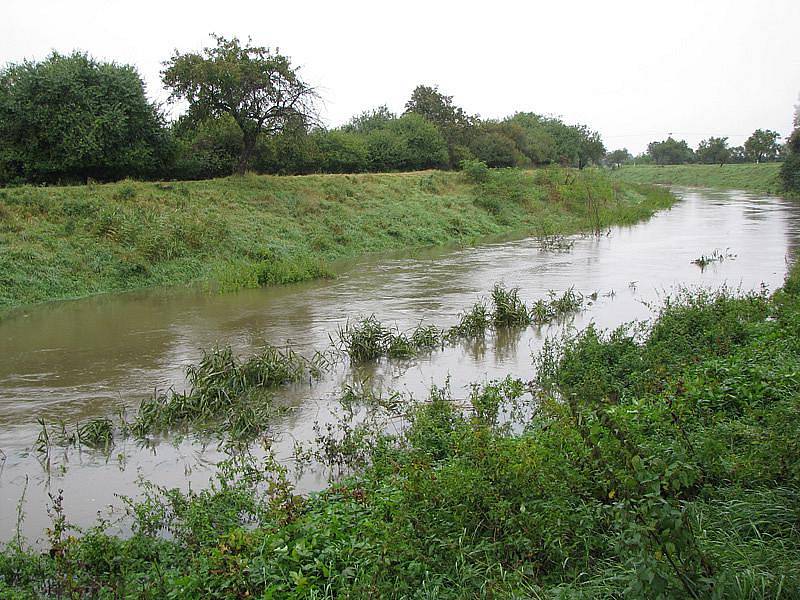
[75,360]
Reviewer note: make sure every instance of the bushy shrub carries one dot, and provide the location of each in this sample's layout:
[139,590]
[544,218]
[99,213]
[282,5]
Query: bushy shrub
[475,171]
[72,118]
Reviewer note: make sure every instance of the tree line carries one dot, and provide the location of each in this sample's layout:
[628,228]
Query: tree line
[762,146]
[71,118]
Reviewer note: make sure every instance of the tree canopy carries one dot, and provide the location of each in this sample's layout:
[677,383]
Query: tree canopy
[670,152]
[713,150]
[70,118]
[257,87]
[762,145]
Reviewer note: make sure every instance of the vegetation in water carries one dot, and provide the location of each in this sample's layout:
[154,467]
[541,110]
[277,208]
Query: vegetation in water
[716,256]
[645,462]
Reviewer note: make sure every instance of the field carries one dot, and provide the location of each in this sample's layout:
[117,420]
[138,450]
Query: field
[752,177]
[69,242]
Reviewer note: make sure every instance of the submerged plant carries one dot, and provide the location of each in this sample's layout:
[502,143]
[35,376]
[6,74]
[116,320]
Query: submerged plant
[556,307]
[96,433]
[472,323]
[716,256]
[509,310]
[368,339]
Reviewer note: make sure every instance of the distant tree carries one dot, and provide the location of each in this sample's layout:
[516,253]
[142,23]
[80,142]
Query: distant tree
[737,155]
[590,147]
[425,146]
[208,148]
[74,118]
[370,120]
[495,149]
[453,123]
[256,86]
[762,146]
[618,157]
[714,150]
[790,169]
[342,152]
[670,152]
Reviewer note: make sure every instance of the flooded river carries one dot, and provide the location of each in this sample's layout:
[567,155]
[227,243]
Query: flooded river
[71,361]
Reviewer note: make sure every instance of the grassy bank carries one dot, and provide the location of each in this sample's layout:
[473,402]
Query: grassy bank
[762,177]
[67,242]
[663,464]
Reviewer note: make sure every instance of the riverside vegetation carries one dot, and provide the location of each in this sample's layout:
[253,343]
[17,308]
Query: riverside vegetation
[66,242]
[232,398]
[652,462]
[763,177]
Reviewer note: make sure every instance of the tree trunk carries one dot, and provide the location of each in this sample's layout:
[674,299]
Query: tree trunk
[249,145]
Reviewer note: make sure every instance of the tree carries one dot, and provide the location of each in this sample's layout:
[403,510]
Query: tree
[259,88]
[618,157]
[495,149]
[370,120]
[74,118]
[453,123]
[790,169]
[714,150]
[670,152]
[762,146]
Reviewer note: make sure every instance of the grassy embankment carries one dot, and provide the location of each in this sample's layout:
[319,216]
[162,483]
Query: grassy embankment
[762,177]
[657,465]
[67,242]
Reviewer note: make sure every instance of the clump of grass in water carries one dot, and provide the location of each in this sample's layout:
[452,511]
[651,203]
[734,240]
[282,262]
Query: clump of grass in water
[556,307]
[716,256]
[509,310]
[217,383]
[97,433]
[369,339]
[472,323]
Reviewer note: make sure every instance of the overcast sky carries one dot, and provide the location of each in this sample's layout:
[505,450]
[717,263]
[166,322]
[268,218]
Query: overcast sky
[634,70]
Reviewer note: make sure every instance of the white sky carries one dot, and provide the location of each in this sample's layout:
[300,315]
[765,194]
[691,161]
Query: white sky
[633,70]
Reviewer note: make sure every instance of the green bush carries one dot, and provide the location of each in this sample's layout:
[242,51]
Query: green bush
[475,171]
[71,118]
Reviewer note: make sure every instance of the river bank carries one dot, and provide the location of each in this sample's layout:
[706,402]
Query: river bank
[239,232]
[762,177]
[641,464]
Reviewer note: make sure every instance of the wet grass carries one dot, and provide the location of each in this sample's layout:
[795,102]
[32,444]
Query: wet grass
[221,385]
[762,177]
[67,242]
[658,462]
[369,339]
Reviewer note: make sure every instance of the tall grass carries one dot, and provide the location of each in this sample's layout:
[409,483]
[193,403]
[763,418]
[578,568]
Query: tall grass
[762,177]
[65,242]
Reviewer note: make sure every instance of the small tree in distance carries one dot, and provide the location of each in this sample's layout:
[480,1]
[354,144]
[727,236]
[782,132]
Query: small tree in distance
[257,87]
[763,145]
[714,150]
[618,157]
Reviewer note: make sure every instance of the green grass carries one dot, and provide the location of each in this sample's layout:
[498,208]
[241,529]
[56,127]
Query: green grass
[657,464]
[69,242]
[762,177]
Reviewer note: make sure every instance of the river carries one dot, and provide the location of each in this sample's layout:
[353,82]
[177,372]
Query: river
[70,361]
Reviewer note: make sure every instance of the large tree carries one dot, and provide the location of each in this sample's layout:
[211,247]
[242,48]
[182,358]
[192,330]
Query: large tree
[763,145]
[259,88]
[670,152]
[70,118]
[453,123]
[714,150]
